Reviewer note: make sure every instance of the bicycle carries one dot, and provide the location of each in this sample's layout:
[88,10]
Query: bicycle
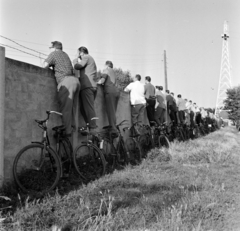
[146,138]
[38,167]
[116,153]
[163,138]
[88,159]
[132,143]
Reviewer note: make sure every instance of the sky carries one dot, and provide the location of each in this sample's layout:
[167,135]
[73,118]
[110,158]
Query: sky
[133,34]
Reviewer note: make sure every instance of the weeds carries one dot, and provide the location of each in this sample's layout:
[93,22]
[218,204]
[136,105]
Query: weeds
[192,186]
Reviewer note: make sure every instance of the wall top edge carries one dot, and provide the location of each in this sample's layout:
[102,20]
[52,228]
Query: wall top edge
[27,67]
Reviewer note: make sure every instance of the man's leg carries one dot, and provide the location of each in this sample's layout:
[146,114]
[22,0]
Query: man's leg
[150,109]
[134,114]
[66,94]
[157,115]
[87,97]
[162,116]
[111,100]
[180,114]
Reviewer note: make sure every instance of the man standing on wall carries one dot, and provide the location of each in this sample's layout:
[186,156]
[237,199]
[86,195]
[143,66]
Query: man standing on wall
[160,106]
[137,99]
[191,112]
[150,98]
[171,105]
[88,74]
[181,104]
[111,94]
[68,85]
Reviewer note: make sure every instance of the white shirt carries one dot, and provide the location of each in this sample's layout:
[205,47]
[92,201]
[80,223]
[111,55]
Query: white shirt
[181,104]
[136,93]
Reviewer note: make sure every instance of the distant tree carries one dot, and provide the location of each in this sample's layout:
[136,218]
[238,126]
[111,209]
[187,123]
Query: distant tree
[123,78]
[232,103]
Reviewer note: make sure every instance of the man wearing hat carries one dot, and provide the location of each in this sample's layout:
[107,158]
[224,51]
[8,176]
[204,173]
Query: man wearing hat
[67,84]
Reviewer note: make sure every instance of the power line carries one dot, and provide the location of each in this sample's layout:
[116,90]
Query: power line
[21,51]
[22,45]
[67,48]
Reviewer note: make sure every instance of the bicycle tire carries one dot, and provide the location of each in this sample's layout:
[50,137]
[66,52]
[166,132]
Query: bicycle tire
[179,136]
[134,151]
[163,141]
[65,154]
[146,143]
[89,161]
[35,171]
[122,152]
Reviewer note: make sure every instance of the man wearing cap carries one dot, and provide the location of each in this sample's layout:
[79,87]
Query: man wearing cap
[68,85]
[88,74]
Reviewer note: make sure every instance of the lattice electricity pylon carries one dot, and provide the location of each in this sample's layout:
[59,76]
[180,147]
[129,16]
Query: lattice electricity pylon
[225,74]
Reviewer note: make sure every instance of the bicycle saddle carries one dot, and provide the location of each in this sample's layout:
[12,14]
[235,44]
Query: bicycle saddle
[59,128]
[107,127]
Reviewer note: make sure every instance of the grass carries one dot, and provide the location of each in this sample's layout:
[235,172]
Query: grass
[196,189]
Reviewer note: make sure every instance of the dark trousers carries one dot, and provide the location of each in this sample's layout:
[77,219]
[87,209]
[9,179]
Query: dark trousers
[181,115]
[67,96]
[159,115]
[198,118]
[111,100]
[87,97]
[191,118]
[137,113]
[150,109]
[172,114]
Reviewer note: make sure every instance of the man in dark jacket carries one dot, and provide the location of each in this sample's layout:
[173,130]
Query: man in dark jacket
[150,98]
[171,105]
[111,94]
[88,74]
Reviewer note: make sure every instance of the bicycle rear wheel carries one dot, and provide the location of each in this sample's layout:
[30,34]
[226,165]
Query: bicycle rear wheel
[36,169]
[89,162]
[122,152]
[163,141]
[146,143]
[134,151]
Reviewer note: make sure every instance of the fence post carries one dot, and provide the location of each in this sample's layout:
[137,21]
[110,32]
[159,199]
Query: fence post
[2,112]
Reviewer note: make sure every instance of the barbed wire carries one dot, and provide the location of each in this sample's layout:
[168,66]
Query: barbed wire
[22,45]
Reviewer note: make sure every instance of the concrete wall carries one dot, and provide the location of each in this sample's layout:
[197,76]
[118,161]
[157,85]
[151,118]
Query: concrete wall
[29,92]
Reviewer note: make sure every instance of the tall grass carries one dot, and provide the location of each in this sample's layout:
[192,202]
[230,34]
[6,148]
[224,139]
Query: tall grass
[192,186]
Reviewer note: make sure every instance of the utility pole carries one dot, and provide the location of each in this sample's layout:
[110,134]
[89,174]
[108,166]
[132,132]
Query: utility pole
[165,70]
[166,83]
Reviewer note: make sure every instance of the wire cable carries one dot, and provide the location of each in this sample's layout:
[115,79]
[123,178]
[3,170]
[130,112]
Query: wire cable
[21,50]
[22,45]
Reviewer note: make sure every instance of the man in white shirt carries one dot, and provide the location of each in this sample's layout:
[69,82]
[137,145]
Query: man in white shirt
[197,114]
[181,104]
[137,99]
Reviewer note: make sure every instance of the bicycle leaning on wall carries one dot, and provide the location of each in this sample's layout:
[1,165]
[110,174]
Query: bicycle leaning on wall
[37,168]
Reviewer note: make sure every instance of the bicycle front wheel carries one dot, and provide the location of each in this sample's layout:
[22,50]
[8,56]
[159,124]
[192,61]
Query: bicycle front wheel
[36,169]
[163,141]
[89,162]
